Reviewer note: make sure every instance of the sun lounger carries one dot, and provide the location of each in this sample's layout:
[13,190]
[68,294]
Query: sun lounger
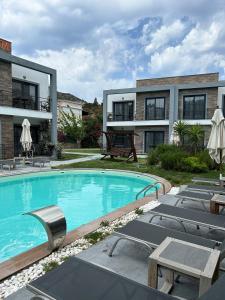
[217,291]
[81,280]
[184,215]
[9,163]
[152,236]
[205,189]
[206,180]
[186,195]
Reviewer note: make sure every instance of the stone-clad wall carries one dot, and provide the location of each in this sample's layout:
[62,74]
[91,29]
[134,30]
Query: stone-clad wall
[5,84]
[7,136]
[6,122]
[140,103]
[198,78]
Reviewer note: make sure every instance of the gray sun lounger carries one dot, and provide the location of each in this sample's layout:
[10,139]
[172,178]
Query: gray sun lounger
[217,291]
[152,236]
[82,280]
[202,198]
[205,189]
[206,180]
[184,215]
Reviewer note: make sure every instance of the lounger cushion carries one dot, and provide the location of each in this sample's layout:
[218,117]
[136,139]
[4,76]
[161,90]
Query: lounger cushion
[155,235]
[80,280]
[217,291]
[206,188]
[194,195]
[191,215]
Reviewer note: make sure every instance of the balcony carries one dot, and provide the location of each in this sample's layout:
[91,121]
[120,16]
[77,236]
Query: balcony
[117,118]
[30,103]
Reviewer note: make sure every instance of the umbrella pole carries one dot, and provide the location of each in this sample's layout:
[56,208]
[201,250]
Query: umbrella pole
[221,163]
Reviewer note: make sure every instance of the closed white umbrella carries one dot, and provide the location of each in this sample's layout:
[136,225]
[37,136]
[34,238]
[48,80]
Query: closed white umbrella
[25,138]
[216,144]
[174,137]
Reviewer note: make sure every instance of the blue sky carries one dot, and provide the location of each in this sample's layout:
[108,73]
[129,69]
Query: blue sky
[97,45]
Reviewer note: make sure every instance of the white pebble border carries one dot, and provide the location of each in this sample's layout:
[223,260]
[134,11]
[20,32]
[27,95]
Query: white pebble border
[18,281]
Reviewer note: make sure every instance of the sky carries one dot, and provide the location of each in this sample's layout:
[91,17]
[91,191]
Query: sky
[96,44]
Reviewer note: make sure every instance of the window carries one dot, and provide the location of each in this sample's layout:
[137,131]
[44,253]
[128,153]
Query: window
[155,108]
[223,105]
[24,95]
[123,111]
[194,107]
[152,139]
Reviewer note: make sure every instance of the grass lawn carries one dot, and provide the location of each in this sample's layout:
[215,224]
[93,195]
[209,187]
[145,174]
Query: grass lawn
[175,177]
[84,150]
[66,156]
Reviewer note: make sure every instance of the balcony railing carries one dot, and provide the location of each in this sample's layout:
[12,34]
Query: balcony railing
[33,103]
[113,117]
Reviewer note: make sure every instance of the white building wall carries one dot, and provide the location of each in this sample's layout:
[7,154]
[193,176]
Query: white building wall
[41,79]
[221,93]
[120,97]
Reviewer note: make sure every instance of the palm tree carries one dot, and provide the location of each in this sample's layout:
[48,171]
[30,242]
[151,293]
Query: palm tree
[195,135]
[180,128]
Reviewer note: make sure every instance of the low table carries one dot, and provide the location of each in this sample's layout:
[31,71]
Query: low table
[216,202]
[185,258]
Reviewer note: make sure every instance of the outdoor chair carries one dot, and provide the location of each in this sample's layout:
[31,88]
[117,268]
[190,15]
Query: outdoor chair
[191,216]
[82,280]
[206,180]
[205,189]
[8,163]
[189,195]
[151,236]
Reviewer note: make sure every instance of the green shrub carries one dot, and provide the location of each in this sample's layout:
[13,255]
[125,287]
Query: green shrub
[50,266]
[172,160]
[96,236]
[204,157]
[139,211]
[153,157]
[193,164]
[104,223]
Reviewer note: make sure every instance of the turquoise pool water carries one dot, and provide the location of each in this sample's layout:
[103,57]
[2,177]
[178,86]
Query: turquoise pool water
[82,195]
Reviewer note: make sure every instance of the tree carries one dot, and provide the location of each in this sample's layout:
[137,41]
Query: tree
[72,126]
[195,135]
[181,129]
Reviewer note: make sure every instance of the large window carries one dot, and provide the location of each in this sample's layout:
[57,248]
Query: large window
[152,139]
[155,108]
[194,107]
[25,95]
[123,111]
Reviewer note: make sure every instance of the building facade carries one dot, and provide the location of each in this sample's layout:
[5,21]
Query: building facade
[154,105]
[27,90]
[68,102]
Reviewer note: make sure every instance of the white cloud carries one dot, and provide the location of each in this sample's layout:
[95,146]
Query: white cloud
[164,35]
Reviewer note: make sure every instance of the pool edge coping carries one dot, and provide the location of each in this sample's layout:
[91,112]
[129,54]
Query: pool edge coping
[27,258]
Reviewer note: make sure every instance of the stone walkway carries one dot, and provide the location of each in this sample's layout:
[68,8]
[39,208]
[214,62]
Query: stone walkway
[56,163]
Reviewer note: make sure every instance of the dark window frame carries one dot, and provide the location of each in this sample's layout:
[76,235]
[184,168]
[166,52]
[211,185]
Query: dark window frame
[154,145]
[123,103]
[164,108]
[27,83]
[223,105]
[193,117]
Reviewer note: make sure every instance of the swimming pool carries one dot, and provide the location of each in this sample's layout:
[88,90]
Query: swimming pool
[83,195]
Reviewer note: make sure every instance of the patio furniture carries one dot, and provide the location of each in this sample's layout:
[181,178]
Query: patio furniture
[207,180]
[113,150]
[190,216]
[19,159]
[202,198]
[82,280]
[151,236]
[8,163]
[40,161]
[205,189]
[185,258]
[216,202]
[217,291]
